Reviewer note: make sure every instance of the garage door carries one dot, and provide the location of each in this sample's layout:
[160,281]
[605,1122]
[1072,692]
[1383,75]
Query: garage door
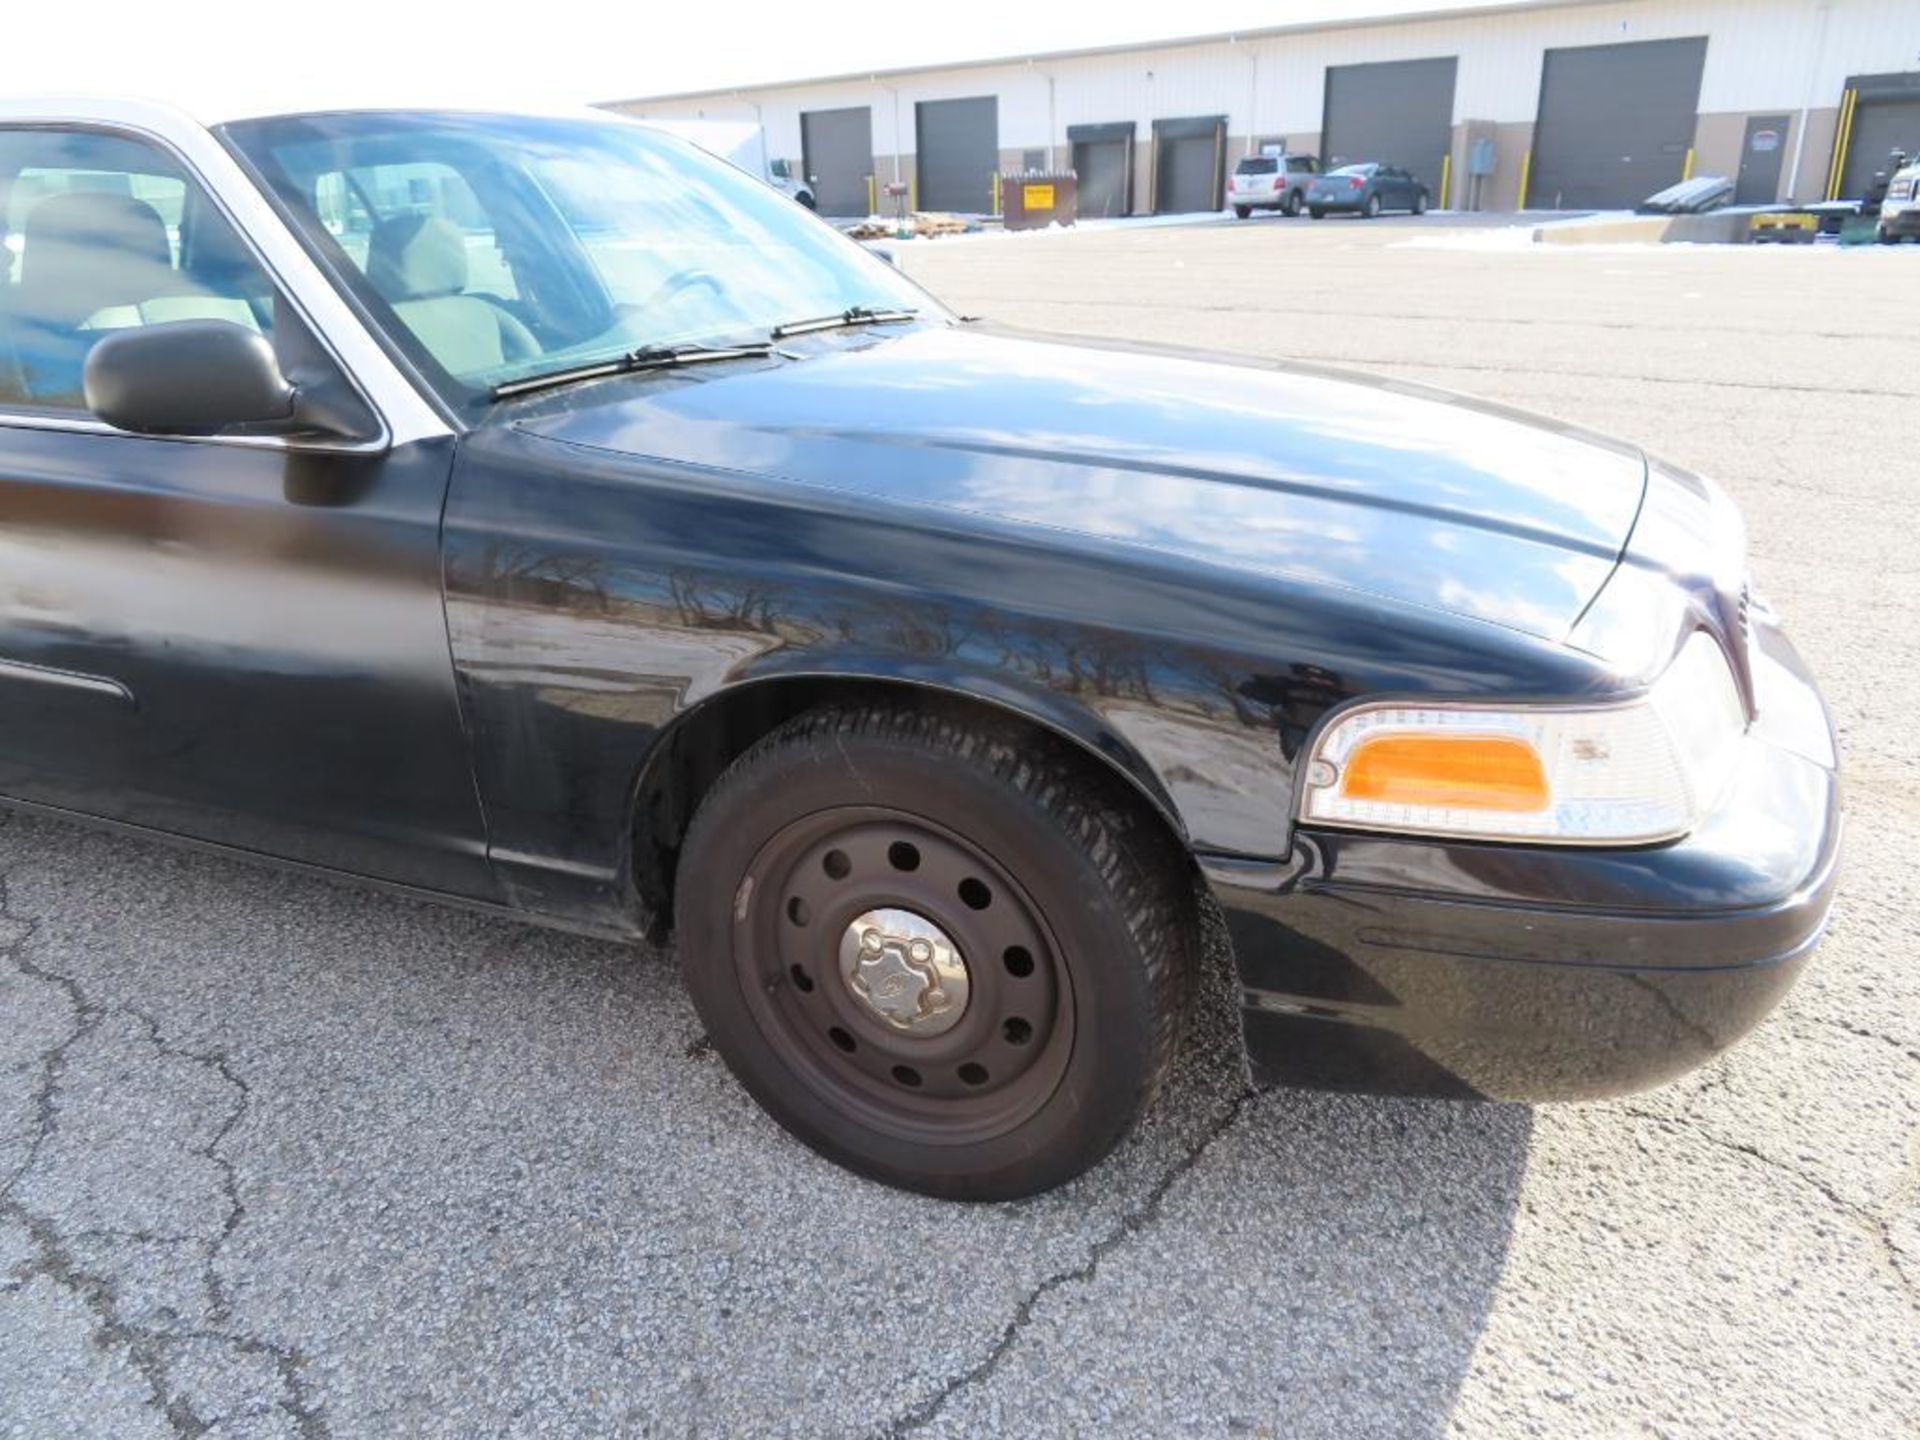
[1399,113]
[1616,122]
[957,145]
[1886,116]
[1103,160]
[837,149]
[1189,164]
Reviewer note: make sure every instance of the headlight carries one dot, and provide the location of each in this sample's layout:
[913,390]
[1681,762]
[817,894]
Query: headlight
[1633,773]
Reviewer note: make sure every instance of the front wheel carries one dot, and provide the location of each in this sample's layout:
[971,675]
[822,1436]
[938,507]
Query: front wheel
[940,952]
[1420,203]
[1318,213]
[1241,212]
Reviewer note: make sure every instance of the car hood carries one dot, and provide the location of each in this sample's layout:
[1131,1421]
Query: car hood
[1415,496]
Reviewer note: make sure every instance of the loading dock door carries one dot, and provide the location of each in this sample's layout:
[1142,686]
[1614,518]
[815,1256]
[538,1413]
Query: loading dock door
[1189,164]
[1615,123]
[836,147]
[957,149]
[1103,159]
[1886,115]
[1398,113]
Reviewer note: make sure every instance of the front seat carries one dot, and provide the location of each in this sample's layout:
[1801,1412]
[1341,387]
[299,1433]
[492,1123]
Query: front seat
[418,265]
[83,254]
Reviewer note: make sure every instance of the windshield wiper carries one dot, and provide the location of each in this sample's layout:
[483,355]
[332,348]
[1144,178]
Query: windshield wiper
[647,357]
[853,315]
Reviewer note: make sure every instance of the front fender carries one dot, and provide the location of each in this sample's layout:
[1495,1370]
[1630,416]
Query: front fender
[1067,716]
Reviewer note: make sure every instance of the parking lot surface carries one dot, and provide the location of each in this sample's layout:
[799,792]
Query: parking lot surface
[282,1158]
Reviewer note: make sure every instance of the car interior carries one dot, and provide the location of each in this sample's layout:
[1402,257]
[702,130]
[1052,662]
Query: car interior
[419,265]
[97,235]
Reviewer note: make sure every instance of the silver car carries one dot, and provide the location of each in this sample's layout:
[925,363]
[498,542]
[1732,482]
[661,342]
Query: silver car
[1271,182]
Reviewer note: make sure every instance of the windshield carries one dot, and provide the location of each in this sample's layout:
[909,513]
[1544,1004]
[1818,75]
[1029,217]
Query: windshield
[496,248]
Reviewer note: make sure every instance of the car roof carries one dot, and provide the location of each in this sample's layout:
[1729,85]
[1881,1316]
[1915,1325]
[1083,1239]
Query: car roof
[163,116]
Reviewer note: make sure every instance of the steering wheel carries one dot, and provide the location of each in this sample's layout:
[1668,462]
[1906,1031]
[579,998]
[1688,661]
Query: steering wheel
[681,281]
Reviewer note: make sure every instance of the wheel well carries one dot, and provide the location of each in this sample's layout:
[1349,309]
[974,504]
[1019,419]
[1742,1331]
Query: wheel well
[700,746]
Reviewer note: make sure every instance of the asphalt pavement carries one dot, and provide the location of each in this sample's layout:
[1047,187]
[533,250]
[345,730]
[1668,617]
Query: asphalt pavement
[285,1158]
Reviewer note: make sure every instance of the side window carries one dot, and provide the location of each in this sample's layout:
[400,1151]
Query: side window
[99,233]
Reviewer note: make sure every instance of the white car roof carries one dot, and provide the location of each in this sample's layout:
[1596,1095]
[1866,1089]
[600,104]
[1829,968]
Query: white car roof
[164,116]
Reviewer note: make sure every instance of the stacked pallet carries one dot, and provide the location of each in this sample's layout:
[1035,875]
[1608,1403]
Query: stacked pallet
[924,224]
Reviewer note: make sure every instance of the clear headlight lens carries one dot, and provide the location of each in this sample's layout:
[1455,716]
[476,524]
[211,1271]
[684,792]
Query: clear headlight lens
[1635,773]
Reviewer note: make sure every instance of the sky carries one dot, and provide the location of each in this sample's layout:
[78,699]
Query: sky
[234,54]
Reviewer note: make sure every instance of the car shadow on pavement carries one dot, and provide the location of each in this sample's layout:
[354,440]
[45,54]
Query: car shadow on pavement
[274,1150]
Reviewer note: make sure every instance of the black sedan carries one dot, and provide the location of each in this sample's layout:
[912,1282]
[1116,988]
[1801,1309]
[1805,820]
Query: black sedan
[1366,190]
[538,515]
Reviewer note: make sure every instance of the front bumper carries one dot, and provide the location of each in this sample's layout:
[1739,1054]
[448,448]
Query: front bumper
[1508,972]
[1903,222]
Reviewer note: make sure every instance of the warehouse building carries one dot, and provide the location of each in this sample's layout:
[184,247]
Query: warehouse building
[1544,106]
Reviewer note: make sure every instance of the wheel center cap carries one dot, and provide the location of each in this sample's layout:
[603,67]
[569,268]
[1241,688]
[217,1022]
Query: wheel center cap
[905,970]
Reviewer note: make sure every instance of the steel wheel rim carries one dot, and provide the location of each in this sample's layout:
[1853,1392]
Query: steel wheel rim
[967,1078]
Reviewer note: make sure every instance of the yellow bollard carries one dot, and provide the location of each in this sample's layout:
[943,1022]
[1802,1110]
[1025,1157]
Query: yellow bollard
[1446,178]
[1686,170]
[873,207]
[1526,178]
[1842,142]
[996,192]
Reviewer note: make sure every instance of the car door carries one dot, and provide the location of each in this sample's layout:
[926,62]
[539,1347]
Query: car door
[240,639]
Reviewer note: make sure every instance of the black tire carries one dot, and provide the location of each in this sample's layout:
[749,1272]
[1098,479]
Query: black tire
[1067,1028]
[1371,210]
[805,197]
[1420,203]
[1294,201]
[1318,213]
[1241,212]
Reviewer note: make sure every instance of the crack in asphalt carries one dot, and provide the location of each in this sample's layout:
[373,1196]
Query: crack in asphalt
[150,1351]
[1383,363]
[1130,1224]
[1241,310]
[86,1016]
[1877,1225]
[1860,1032]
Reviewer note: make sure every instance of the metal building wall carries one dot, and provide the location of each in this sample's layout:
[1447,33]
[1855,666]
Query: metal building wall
[1763,56]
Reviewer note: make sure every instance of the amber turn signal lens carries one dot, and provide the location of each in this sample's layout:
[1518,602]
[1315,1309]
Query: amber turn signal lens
[1459,772]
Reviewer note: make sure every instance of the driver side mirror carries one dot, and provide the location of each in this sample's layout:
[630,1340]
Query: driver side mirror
[187,377]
